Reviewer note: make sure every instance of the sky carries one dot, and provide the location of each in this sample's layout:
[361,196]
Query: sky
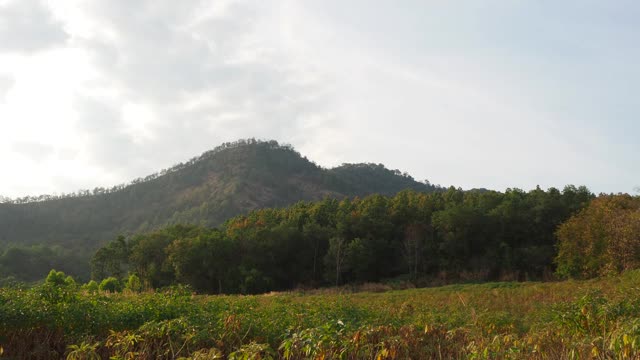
[495,94]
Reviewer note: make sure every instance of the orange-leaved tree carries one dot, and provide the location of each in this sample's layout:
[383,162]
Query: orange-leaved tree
[603,238]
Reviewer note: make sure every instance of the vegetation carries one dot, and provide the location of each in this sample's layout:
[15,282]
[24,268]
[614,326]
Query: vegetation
[602,239]
[31,262]
[47,232]
[562,320]
[425,238]
[142,301]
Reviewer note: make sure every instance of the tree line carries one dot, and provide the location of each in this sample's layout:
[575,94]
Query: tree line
[425,238]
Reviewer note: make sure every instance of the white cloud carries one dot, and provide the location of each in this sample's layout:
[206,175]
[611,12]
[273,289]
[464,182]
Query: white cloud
[28,26]
[6,83]
[99,92]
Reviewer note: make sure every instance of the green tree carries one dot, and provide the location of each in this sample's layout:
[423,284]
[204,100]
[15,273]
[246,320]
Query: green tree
[204,262]
[148,258]
[58,278]
[413,247]
[334,259]
[111,260]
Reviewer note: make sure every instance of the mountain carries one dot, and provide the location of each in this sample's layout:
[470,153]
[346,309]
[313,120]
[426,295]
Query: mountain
[231,179]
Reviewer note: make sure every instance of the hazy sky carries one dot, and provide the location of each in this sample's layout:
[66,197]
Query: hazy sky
[489,93]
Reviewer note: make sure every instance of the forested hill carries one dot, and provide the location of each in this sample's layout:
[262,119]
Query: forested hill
[232,179]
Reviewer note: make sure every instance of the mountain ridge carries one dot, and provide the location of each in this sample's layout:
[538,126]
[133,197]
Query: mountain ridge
[229,180]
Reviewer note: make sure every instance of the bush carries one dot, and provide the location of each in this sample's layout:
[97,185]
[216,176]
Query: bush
[134,283]
[111,284]
[91,287]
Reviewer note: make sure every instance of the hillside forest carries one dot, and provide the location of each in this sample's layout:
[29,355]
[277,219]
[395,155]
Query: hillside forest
[292,224]
[38,233]
[421,238]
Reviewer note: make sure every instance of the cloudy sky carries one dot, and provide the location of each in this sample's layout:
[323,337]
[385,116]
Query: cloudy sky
[488,93]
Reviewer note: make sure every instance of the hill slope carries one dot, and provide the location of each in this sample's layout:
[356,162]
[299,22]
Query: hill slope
[229,180]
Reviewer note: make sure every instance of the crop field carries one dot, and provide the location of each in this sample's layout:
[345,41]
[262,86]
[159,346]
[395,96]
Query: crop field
[597,319]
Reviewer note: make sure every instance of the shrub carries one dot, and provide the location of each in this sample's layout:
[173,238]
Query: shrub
[110,284]
[134,283]
[91,287]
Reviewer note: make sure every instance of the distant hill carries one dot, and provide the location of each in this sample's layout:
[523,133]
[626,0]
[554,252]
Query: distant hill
[232,179]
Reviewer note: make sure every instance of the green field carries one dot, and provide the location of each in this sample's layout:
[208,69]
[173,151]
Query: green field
[572,319]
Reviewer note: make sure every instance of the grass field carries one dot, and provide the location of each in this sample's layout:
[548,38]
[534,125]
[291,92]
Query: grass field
[560,320]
